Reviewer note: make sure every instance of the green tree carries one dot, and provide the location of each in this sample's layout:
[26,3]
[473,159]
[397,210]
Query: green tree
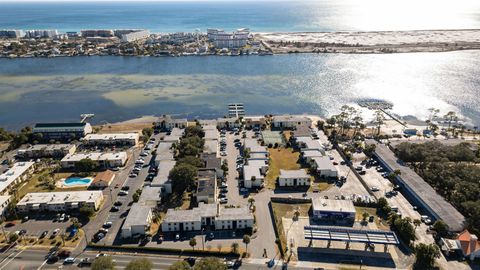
[365,215]
[75,222]
[12,237]
[192,131]
[191,160]
[425,256]
[440,227]
[234,247]
[147,132]
[246,241]
[86,165]
[405,229]
[136,195]
[210,263]
[417,222]
[179,265]
[140,264]
[183,177]
[86,211]
[103,263]
[193,242]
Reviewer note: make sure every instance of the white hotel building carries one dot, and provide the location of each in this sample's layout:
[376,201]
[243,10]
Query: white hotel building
[222,39]
[104,159]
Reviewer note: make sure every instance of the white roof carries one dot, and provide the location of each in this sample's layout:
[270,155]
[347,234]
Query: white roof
[241,213]
[312,153]
[4,198]
[324,163]
[17,170]
[252,170]
[192,215]
[97,156]
[211,134]
[309,143]
[210,146]
[290,118]
[164,169]
[137,216]
[320,204]
[60,197]
[150,194]
[111,136]
[293,174]
[254,147]
[164,146]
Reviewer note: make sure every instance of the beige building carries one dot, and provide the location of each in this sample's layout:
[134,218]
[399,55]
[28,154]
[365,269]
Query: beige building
[108,160]
[19,172]
[60,201]
[130,139]
[47,150]
[103,179]
[290,121]
[212,216]
[294,178]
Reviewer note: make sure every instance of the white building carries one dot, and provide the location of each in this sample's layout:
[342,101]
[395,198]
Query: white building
[294,178]
[206,186]
[207,215]
[16,174]
[222,39]
[104,159]
[324,167]
[163,156]
[135,35]
[41,33]
[167,122]
[112,139]
[333,209]
[236,110]
[151,196]
[252,176]
[138,221]
[308,154]
[11,33]
[47,150]
[290,121]
[61,131]
[162,179]
[228,123]
[60,201]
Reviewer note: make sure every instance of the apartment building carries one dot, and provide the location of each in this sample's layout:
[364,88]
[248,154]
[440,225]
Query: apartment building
[18,173]
[47,151]
[60,201]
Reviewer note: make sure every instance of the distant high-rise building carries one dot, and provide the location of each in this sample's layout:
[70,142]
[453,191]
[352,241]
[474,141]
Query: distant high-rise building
[222,39]
[41,33]
[11,33]
[236,110]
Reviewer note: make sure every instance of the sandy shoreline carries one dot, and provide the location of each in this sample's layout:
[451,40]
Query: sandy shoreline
[372,42]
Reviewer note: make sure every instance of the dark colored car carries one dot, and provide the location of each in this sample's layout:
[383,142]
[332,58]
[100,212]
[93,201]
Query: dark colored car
[125,188]
[64,254]
[190,261]
[118,203]
[114,209]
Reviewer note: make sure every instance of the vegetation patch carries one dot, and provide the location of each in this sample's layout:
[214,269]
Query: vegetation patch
[280,158]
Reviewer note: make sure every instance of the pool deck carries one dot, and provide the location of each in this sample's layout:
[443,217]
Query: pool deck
[61,183]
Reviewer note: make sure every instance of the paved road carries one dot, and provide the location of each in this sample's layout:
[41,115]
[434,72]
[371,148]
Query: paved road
[35,260]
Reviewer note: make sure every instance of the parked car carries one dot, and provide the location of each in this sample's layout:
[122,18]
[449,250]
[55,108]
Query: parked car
[125,188]
[118,203]
[123,193]
[44,233]
[64,253]
[115,209]
[107,224]
[223,200]
[69,260]
[374,189]
[86,262]
[55,232]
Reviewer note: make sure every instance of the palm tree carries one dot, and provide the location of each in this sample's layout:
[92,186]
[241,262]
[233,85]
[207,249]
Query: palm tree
[234,247]
[246,241]
[417,222]
[193,242]
[75,222]
[219,246]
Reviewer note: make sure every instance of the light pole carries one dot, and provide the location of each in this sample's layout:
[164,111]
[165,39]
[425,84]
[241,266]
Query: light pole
[203,241]
[2,219]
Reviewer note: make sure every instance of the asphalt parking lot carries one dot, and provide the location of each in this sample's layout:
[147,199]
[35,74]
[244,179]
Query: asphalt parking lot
[37,224]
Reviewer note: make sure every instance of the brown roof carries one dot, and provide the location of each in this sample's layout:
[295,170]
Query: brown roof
[104,176]
[464,239]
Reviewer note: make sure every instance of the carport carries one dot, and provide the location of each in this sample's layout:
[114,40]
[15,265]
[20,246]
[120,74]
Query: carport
[350,235]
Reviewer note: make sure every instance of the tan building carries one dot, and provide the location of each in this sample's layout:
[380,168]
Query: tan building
[47,150]
[103,179]
[60,201]
[130,139]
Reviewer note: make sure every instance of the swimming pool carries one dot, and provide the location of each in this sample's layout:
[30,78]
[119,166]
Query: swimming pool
[77,181]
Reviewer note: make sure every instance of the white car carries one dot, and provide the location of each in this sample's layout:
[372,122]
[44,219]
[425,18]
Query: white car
[374,189]
[69,260]
[101,255]
[123,193]
[223,154]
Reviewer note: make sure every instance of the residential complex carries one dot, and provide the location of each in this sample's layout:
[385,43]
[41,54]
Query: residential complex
[47,150]
[106,160]
[62,131]
[294,178]
[222,39]
[207,215]
[138,221]
[60,201]
[18,173]
[130,139]
[290,121]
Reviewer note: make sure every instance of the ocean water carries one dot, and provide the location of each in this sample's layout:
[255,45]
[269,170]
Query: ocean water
[260,16]
[121,88]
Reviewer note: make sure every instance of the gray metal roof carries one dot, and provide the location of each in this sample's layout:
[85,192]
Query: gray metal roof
[440,208]
[350,235]
[137,215]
